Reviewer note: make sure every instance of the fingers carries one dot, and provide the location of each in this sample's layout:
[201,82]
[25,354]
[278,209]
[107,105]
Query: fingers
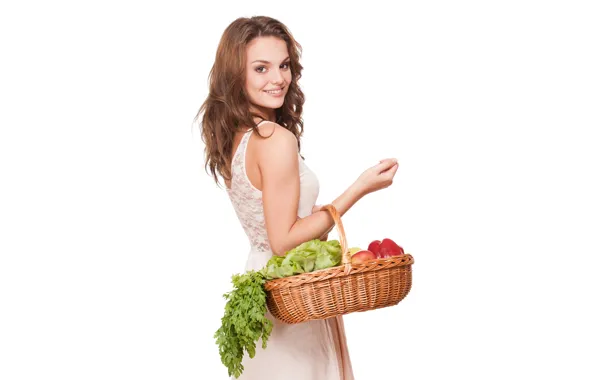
[390,173]
[385,164]
[393,169]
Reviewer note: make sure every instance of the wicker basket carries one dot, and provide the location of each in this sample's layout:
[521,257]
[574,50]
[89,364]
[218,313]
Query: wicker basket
[340,290]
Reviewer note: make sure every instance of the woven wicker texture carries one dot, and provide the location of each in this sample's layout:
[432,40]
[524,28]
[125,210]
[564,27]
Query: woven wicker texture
[340,290]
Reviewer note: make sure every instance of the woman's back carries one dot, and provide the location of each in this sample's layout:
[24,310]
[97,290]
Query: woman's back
[248,201]
[317,349]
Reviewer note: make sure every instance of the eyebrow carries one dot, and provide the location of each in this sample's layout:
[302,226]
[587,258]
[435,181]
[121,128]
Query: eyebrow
[262,60]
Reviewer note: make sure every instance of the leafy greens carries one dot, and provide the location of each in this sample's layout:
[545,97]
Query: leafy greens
[307,257]
[243,322]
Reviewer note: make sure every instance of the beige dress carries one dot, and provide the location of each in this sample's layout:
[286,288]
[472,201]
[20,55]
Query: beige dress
[314,350]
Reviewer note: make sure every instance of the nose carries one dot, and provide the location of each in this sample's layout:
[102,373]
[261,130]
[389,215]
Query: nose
[277,78]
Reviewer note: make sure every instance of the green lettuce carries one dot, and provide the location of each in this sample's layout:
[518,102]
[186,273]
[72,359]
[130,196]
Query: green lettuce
[307,257]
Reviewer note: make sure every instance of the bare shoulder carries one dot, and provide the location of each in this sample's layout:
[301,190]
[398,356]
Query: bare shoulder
[270,129]
[275,139]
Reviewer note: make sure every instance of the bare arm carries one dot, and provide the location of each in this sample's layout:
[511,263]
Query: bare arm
[278,163]
[320,223]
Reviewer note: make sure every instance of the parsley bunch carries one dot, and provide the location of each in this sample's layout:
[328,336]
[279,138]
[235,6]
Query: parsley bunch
[244,321]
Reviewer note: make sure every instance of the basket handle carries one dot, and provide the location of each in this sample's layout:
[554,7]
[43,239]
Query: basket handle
[346,258]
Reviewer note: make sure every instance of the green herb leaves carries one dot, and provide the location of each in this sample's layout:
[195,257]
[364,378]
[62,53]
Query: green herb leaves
[244,321]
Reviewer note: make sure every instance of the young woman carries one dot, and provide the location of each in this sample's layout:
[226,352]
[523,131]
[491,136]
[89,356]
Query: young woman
[251,127]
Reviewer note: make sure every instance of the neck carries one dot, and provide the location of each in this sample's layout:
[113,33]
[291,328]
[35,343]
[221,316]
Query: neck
[265,113]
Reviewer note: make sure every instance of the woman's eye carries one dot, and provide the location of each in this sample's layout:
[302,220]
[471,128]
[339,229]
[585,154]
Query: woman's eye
[262,67]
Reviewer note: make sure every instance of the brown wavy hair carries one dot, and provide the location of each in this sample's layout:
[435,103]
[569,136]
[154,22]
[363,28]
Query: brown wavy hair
[226,108]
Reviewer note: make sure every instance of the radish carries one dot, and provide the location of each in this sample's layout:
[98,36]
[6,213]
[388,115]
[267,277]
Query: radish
[388,248]
[374,247]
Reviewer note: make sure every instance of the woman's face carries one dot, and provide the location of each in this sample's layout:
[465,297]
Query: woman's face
[268,71]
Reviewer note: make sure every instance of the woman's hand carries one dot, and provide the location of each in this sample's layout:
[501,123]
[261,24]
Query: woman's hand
[377,177]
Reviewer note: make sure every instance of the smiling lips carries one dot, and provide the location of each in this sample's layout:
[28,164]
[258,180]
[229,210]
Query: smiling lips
[277,92]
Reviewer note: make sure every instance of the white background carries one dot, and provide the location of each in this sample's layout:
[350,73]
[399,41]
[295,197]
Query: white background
[117,246]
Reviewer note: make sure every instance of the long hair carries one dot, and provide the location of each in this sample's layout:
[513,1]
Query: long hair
[226,108]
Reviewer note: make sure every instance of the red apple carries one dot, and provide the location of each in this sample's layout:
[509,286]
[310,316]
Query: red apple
[362,256]
[389,248]
[374,247]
